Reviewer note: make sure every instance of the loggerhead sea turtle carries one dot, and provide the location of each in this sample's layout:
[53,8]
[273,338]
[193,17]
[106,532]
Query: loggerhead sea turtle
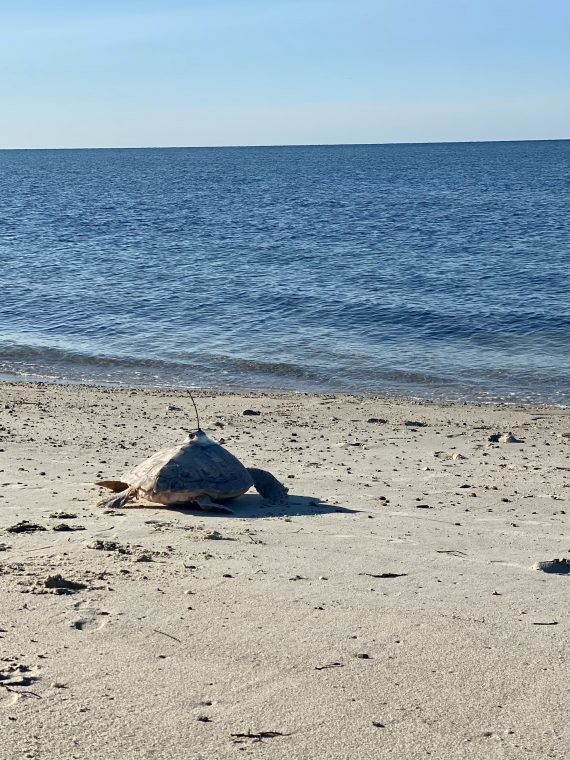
[200,471]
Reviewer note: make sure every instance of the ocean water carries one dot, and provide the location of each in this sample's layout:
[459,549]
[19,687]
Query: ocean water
[437,270]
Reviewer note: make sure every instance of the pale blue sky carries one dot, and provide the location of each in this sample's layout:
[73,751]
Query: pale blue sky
[77,73]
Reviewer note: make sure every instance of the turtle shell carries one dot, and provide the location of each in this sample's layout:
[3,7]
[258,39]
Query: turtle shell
[200,466]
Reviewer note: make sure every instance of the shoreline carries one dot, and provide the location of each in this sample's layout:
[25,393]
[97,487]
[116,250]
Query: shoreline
[390,609]
[383,396]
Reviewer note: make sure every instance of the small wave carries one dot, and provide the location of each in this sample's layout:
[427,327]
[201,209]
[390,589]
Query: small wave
[54,362]
[257,366]
[46,354]
[330,373]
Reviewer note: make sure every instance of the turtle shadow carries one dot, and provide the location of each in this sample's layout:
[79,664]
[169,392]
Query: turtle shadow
[252,505]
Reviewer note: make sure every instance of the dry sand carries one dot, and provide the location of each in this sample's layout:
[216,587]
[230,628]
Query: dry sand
[390,611]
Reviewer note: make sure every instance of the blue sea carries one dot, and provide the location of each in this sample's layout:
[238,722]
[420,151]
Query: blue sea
[434,271]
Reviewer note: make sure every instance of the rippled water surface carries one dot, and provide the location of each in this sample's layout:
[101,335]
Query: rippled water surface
[433,270]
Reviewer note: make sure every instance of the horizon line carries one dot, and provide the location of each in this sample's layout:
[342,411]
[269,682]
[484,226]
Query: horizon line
[290,145]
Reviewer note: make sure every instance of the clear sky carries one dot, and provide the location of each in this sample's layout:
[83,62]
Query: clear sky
[78,73]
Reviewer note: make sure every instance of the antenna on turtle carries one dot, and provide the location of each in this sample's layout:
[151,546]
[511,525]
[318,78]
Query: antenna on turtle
[196,410]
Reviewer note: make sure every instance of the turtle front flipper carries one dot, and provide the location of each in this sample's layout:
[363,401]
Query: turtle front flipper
[268,486]
[119,499]
[205,503]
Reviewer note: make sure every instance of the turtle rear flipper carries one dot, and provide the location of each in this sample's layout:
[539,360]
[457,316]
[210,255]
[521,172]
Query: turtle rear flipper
[268,486]
[113,485]
[119,499]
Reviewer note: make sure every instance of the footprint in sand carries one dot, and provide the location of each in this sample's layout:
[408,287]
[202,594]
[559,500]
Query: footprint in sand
[91,618]
[558,566]
[11,697]
[14,675]
[88,624]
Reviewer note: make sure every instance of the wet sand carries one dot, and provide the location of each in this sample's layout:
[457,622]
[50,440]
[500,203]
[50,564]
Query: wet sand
[390,610]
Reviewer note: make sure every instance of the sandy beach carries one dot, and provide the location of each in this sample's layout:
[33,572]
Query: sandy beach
[389,611]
